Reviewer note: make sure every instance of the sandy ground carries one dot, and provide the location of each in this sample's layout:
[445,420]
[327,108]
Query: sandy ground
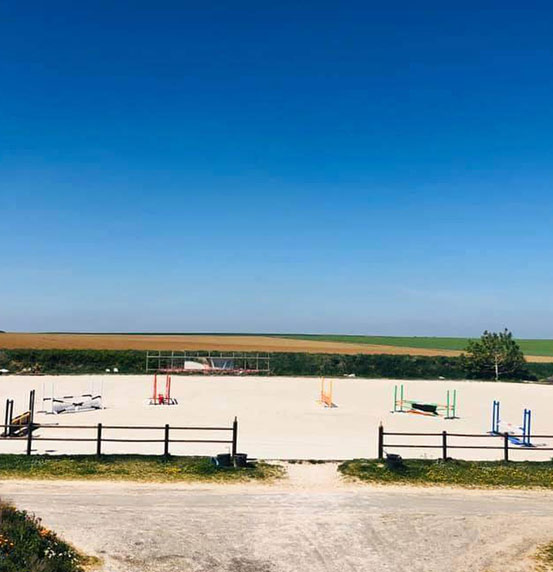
[279,418]
[312,522]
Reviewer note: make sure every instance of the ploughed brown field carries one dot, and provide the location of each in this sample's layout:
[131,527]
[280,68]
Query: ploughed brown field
[209,342]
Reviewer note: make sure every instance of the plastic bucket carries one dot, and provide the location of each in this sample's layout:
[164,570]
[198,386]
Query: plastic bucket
[224,460]
[241,460]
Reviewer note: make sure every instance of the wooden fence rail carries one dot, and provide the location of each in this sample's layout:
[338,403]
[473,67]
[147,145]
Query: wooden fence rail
[446,446]
[166,430]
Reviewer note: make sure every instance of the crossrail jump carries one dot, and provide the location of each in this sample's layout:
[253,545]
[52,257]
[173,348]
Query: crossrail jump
[19,425]
[325,397]
[418,407]
[500,428]
[160,398]
[77,403]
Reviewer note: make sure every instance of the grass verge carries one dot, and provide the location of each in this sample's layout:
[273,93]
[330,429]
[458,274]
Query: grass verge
[130,468]
[544,558]
[468,474]
[26,545]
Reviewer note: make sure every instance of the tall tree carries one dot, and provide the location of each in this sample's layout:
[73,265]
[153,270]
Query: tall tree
[495,356]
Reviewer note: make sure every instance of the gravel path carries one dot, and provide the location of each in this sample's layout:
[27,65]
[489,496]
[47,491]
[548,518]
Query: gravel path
[312,522]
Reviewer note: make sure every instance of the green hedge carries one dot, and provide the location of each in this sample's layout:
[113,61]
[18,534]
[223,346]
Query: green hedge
[72,361]
[362,365]
[541,370]
[365,365]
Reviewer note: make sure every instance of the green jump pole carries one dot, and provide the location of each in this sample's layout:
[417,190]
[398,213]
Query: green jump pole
[451,404]
[400,408]
[454,403]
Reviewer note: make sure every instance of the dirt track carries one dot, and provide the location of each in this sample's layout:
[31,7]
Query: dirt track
[209,342]
[312,522]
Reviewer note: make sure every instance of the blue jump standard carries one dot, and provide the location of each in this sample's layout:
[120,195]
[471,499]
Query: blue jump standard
[524,440]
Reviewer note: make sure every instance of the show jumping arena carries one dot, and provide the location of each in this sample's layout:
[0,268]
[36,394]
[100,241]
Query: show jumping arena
[280,418]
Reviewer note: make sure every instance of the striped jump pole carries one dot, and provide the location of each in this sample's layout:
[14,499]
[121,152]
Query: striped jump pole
[495,417]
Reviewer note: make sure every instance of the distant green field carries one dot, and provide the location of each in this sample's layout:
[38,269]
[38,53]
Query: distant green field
[530,347]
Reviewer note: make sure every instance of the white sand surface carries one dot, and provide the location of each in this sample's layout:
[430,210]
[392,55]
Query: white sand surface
[279,418]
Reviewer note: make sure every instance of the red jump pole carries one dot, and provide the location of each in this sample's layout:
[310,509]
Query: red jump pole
[168,388]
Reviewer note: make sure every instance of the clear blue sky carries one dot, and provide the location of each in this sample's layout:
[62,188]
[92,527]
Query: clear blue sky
[306,167]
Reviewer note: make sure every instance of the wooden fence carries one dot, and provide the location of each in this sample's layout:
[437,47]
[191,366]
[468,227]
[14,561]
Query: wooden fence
[443,442]
[167,432]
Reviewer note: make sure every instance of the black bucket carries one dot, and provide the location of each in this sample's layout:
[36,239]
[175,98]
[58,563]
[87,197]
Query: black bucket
[394,461]
[224,460]
[241,460]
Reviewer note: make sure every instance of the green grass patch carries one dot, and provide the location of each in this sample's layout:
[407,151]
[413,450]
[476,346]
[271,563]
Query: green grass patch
[27,546]
[530,347]
[544,558]
[469,474]
[131,468]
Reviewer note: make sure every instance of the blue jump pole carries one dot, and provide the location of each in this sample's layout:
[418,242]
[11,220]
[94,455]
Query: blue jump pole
[526,427]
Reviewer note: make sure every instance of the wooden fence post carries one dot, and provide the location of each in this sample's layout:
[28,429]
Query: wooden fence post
[444,445]
[234,437]
[381,441]
[30,435]
[166,441]
[99,440]
[505,447]
[10,418]
[7,428]
[32,404]
[31,422]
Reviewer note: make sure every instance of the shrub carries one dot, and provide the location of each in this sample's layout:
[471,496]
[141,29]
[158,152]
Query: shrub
[25,545]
